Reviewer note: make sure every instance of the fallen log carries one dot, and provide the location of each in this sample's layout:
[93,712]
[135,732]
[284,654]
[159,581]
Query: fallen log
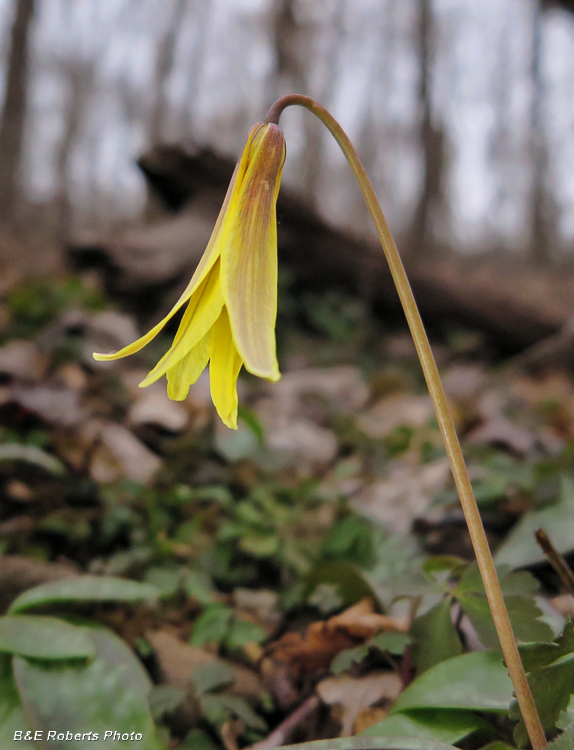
[513,305]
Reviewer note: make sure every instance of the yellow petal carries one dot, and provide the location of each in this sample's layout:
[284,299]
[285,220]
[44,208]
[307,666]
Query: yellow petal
[211,254]
[223,371]
[249,255]
[202,311]
[188,369]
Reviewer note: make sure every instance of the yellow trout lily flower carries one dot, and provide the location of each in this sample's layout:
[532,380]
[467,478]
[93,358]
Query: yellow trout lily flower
[232,297]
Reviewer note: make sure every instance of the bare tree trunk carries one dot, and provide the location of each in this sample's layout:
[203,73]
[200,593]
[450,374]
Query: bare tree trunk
[293,57]
[202,18]
[164,67]
[13,118]
[289,45]
[313,159]
[542,207]
[432,141]
[500,152]
[79,77]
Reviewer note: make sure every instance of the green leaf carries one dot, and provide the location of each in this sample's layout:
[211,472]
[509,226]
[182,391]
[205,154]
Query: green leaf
[211,676]
[551,687]
[84,589]
[198,586]
[108,694]
[243,711]
[434,637]
[345,659]
[252,421]
[441,568]
[44,638]
[370,743]
[536,655]
[213,709]
[211,626]
[393,642]
[437,724]
[197,739]
[243,632]
[164,699]
[520,583]
[350,538]
[12,716]
[564,742]
[259,544]
[166,579]
[523,613]
[520,547]
[218,708]
[348,580]
[477,681]
[31,454]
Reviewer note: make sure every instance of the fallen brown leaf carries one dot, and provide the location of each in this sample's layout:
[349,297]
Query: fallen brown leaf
[355,694]
[313,653]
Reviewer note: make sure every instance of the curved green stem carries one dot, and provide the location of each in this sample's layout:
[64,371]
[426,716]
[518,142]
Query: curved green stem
[444,418]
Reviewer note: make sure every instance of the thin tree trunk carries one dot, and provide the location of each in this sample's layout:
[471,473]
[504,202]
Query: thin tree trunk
[79,79]
[13,117]
[542,209]
[164,67]
[432,142]
[312,167]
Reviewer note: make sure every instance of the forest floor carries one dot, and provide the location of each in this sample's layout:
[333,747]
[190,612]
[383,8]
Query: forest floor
[311,565]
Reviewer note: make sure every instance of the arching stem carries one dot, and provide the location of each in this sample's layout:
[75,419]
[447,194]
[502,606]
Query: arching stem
[444,418]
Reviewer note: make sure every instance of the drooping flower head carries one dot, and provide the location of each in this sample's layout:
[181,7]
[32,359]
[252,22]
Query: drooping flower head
[232,297]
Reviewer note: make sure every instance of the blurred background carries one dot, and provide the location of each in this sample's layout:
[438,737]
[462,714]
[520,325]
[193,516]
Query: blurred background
[462,112]
[120,124]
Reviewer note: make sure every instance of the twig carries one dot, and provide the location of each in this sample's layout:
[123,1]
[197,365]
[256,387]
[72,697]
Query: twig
[281,734]
[556,560]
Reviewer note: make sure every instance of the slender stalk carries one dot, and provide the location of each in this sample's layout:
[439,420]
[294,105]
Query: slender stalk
[444,418]
[557,560]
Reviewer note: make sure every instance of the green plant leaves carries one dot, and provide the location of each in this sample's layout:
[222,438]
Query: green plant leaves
[44,638]
[217,624]
[391,641]
[197,739]
[441,725]
[550,671]
[163,699]
[31,454]
[12,716]
[348,581]
[564,742]
[219,707]
[109,693]
[370,743]
[536,655]
[435,637]
[523,613]
[520,547]
[551,688]
[345,659]
[84,589]
[477,681]
[512,582]
[211,676]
